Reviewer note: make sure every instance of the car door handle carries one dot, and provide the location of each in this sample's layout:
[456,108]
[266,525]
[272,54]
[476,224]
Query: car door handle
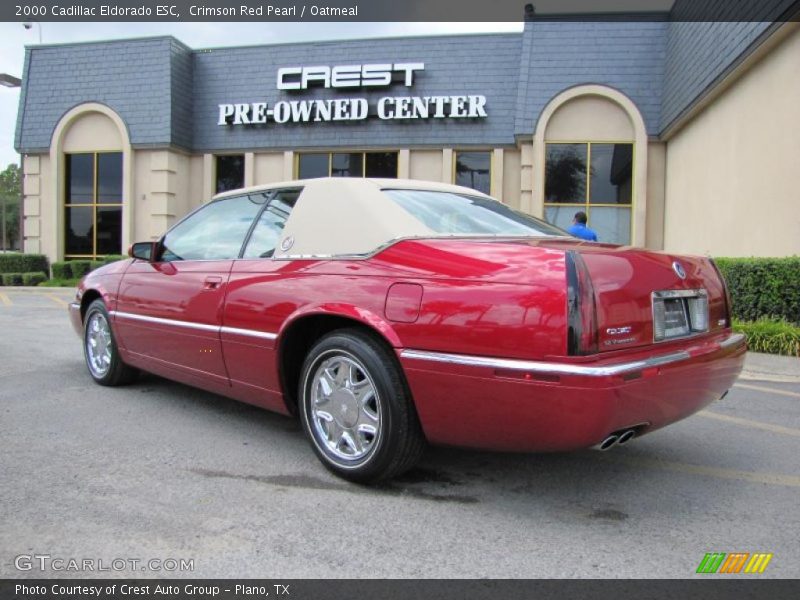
[212,283]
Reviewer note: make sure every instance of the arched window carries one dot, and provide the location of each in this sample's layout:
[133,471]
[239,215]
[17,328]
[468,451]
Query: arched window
[592,144]
[92,204]
[93,161]
[595,178]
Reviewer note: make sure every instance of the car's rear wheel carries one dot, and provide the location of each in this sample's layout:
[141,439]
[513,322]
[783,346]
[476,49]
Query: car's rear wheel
[356,408]
[100,348]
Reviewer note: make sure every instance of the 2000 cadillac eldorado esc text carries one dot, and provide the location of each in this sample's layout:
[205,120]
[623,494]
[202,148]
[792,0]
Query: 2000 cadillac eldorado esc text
[391,313]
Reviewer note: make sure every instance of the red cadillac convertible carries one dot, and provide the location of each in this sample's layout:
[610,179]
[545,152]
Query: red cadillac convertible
[388,314]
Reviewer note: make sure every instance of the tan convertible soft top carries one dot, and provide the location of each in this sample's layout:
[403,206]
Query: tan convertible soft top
[343,216]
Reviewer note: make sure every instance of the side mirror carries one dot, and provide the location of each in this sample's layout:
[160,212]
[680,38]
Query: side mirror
[143,251]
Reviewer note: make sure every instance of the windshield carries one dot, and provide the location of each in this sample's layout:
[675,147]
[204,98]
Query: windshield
[460,214]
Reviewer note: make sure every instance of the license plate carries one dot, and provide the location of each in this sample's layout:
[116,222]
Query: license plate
[679,313]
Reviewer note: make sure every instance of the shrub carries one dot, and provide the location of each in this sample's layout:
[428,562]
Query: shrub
[62,270]
[12,278]
[14,262]
[114,258]
[33,278]
[75,269]
[80,268]
[763,287]
[770,336]
[59,283]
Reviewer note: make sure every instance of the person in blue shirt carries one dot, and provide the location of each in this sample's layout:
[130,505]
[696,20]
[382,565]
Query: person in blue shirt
[579,228]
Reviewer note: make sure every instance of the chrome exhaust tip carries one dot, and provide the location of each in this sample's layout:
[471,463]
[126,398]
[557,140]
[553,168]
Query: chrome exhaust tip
[626,436]
[609,442]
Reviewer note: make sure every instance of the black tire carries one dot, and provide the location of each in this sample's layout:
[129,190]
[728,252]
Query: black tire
[110,371]
[397,443]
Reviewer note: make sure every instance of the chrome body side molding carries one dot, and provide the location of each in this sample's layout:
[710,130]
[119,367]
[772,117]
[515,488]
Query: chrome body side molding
[560,368]
[265,335]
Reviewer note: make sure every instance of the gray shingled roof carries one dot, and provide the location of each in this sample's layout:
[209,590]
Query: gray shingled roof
[168,94]
[628,56]
[133,77]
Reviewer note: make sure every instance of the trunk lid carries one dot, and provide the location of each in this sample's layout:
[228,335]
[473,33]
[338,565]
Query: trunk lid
[635,287]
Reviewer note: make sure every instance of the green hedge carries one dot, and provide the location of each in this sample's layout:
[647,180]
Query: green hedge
[30,279]
[15,262]
[772,337]
[763,287]
[62,270]
[60,283]
[114,258]
[11,278]
[75,269]
[80,268]
[34,278]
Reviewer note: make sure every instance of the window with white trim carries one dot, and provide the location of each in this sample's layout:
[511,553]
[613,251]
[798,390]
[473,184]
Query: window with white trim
[593,177]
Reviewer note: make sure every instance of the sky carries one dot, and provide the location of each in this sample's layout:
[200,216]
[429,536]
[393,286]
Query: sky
[14,37]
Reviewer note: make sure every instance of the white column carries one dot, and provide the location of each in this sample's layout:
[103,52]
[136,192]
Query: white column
[249,169]
[288,165]
[447,165]
[404,164]
[209,176]
[496,185]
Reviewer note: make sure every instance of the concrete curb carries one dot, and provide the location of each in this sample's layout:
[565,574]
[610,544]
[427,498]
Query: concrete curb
[771,367]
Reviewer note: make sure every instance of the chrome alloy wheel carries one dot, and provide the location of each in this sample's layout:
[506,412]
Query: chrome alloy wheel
[98,344]
[345,410]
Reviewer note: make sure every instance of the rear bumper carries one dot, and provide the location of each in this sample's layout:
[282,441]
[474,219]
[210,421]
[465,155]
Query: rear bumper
[75,317]
[515,405]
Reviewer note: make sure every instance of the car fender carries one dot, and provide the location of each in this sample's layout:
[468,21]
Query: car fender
[348,311]
[104,281]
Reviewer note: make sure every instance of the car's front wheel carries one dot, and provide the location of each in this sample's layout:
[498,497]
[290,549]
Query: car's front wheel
[356,408]
[100,348]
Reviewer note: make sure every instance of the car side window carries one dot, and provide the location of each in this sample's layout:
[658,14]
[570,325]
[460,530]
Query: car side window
[269,227]
[215,232]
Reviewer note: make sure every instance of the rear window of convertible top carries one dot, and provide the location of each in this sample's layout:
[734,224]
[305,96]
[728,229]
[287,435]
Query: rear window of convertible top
[450,213]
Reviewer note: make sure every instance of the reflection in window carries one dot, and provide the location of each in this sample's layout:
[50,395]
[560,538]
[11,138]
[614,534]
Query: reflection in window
[381,164]
[474,170]
[108,229]
[109,178]
[215,232]
[448,213]
[268,230]
[596,178]
[612,170]
[349,164]
[79,224]
[310,166]
[612,223]
[560,216]
[80,178]
[93,204]
[230,172]
[565,173]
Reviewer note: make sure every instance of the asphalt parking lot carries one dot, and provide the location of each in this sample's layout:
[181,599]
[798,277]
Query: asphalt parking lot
[162,471]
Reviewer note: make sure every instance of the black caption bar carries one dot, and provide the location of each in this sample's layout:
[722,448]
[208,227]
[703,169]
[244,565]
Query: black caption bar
[347,589]
[392,10]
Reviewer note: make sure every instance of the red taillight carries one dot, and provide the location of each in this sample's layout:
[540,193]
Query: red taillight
[728,303]
[581,308]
